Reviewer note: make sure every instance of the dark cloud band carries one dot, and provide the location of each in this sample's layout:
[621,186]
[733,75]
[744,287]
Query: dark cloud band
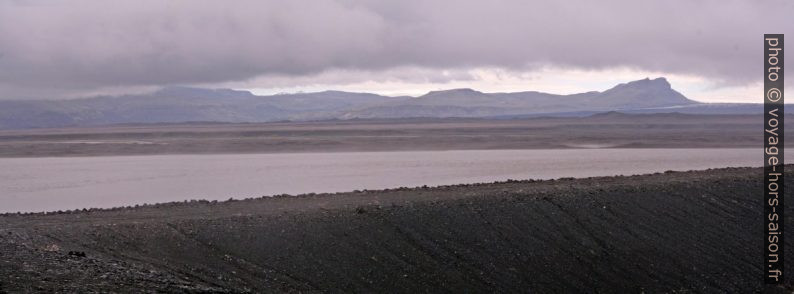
[87,44]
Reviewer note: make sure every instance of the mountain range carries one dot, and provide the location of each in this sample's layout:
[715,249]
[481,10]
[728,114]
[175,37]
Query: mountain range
[185,104]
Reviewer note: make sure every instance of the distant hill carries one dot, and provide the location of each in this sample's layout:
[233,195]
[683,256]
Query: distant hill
[641,94]
[184,104]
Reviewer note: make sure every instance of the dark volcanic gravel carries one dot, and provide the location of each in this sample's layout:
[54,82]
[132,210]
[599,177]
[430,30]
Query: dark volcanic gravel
[674,232]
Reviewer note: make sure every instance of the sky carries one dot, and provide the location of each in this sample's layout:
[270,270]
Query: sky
[709,50]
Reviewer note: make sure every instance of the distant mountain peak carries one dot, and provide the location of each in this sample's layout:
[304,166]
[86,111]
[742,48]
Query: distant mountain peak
[659,83]
[641,94]
[184,91]
[459,91]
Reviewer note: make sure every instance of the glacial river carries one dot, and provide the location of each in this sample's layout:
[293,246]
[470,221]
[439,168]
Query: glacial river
[45,184]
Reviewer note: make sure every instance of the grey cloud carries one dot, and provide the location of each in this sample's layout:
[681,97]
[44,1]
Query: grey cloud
[403,74]
[52,47]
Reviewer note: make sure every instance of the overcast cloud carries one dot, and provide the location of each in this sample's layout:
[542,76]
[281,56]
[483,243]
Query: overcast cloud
[50,49]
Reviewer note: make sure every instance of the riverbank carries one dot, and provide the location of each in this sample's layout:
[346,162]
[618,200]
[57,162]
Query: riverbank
[607,130]
[663,232]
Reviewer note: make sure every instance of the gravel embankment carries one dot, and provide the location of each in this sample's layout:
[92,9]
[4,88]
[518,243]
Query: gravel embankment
[694,231]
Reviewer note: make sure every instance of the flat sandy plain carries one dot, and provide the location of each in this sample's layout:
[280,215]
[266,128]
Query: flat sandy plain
[677,232]
[607,130]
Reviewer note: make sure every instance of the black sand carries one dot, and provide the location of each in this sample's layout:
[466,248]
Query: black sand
[679,232]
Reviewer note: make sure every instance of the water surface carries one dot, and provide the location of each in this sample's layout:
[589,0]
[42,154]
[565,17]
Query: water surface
[45,184]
